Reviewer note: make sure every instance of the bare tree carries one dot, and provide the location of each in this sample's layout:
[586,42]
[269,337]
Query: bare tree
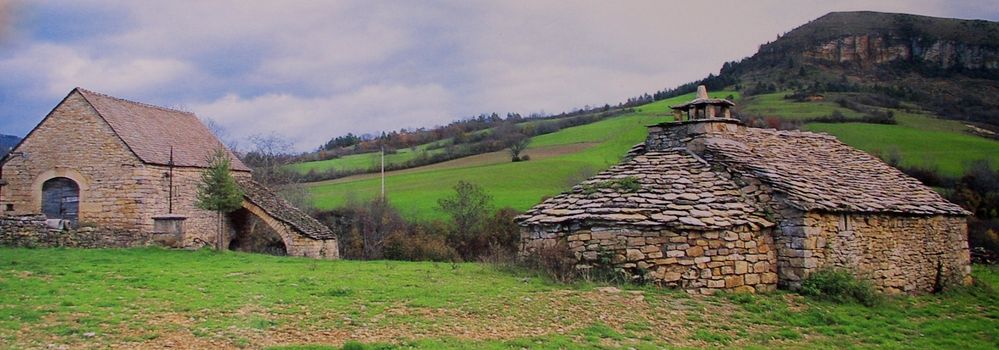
[270,152]
[221,133]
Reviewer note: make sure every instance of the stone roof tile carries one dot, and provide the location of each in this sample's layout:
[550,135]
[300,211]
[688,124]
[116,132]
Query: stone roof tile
[282,210]
[613,196]
[818,172]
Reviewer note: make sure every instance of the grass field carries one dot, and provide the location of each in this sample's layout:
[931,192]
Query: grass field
[775,105]
[153,298]
[367,161]
[519,185]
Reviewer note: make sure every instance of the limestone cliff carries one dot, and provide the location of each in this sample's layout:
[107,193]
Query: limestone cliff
[871,49]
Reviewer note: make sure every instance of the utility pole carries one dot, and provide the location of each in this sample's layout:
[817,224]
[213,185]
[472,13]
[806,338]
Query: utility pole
[383,172]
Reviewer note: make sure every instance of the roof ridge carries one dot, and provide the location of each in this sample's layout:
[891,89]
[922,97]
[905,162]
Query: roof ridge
[134,102]
[795,132]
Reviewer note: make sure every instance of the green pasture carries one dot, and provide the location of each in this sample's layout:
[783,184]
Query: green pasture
[156,298]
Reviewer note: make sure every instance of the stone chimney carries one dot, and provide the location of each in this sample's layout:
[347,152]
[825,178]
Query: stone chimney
[692,121]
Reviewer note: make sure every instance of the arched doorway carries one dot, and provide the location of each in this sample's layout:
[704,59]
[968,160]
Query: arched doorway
[254,235]
[61,199]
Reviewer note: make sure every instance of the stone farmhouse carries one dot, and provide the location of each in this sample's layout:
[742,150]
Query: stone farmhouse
[708,204]
[115,173]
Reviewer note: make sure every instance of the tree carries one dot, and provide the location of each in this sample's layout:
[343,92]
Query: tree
[270,152]
[218,190]
[468,208]
[518,145]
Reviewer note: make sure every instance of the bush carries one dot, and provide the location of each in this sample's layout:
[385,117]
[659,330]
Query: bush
[419,244]
[553,261]
[839,286]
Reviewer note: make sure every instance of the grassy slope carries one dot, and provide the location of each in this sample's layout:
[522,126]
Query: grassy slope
[518,185]
[919,138]
[366,160]
[150,298]
[775,105]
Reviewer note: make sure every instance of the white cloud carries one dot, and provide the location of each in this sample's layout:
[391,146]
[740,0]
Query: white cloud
[309,122]
[57,69]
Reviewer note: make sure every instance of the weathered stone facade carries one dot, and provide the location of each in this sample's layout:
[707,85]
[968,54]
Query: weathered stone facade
[899,254]
[702,262]
[833,207]
[119,190]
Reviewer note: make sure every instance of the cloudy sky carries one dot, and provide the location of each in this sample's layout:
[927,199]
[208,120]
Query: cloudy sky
[310,70]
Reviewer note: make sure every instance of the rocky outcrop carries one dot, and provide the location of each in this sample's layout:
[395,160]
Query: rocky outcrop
[871,49]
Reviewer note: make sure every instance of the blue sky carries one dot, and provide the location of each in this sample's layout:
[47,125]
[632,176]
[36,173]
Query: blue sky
[310,70]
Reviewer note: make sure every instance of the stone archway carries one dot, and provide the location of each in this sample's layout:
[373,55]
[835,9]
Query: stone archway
[61,199]
[80,181]
[253,235]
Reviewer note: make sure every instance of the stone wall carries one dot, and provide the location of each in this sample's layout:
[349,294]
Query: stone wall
[31,231]
[700,262]
[201,225]
[898,254]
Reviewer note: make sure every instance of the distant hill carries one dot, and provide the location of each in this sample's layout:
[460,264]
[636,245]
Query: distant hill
[7,142]
[947,66]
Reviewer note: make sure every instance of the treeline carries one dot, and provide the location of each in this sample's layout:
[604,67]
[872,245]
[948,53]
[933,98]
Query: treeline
[474,230]
[504,135]
[457,132]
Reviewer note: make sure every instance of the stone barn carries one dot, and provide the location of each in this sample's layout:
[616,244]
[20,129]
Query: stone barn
[708,204]
[109,172]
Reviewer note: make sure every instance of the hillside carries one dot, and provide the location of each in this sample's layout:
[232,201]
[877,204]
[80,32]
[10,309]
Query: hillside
[154,298]
[558,161]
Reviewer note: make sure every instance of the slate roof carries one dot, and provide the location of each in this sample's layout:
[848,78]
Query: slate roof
[283,211]
[150,131]
[703,101]
[818,172]
[675,189]
[678,188]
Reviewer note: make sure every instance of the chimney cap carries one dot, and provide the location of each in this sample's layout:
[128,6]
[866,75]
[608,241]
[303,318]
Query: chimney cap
[702,92]
[702,99]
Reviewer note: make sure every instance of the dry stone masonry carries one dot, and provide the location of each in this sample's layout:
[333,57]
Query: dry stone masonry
[707,204]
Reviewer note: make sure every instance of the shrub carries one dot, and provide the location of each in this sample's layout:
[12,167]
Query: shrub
[553,261]
[839,286]
[420,243]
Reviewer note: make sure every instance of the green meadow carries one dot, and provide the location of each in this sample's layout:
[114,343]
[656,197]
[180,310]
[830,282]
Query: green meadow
[518,185]
[919,138]
[775,105]
[367,161]
[156,298]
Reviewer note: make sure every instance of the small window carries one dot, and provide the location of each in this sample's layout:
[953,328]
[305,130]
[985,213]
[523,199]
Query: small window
[10,207]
